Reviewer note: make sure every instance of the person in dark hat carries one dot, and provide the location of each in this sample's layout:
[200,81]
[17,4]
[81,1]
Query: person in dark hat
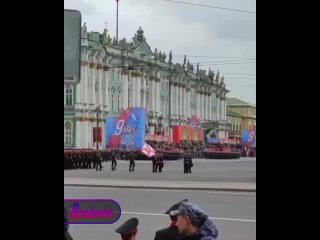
[67,235]
[193,224]
[128,230]
[171,232]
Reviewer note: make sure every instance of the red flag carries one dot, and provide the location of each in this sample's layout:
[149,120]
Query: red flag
[148,150]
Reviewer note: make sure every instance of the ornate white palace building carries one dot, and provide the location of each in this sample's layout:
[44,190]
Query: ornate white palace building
[117,75]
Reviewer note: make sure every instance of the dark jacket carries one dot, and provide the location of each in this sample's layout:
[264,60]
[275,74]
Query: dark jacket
[208,231]
[67,235]
[169,233]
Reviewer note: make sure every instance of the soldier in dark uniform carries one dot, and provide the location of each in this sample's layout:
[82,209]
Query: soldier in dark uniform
[132,163]
[187,163]
[161,162]
[128,230]
[67,235]
[171,232]
[98,161]
[154,163]
[113,161]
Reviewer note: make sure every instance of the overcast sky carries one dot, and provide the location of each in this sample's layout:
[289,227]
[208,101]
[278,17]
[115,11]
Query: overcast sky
[224,37]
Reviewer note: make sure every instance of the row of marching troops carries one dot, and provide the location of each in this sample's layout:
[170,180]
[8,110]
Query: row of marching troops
[187,222]
[87,158]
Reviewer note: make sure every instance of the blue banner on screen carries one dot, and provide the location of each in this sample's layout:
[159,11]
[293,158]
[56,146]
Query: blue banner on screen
[245,137]
[213,140]
[126,131]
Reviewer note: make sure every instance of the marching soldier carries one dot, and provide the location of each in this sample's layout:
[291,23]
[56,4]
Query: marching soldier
[98,161]
[113,161]
[187,162]
[128,230]
[132,163]
[161,162]
[154,163]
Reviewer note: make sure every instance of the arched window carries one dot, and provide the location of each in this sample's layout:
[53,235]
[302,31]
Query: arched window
[68,132]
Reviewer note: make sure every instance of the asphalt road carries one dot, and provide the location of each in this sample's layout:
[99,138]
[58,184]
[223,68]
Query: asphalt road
[242,171]
[233,213]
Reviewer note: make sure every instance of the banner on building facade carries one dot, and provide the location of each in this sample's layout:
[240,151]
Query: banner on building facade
[126,131]
[95,131]
[187,133]
[249,138]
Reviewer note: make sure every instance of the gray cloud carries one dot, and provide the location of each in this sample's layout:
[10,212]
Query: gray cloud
[87,8]
[185,29]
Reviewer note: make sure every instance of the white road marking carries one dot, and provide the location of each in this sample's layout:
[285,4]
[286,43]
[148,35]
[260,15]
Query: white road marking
[164,190]
[213,218]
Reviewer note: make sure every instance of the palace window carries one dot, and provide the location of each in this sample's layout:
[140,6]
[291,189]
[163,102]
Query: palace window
[68,96]
[68,133]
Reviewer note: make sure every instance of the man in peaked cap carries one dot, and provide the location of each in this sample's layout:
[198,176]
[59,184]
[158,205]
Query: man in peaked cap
[128,230]
[193,224]
[171,232]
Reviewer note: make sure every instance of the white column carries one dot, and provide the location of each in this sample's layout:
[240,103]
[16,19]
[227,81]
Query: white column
[99,85]
[133,89]
[201,106]
[151,95]
[89,84]
[182,100]
[218,109]
[210,107]
[77,129]
[124,82]
[81,131]
[204,107]
[90,131]
[85,141]
[225,109]
[84,79]
[198,104]
[138,93]
[78,93]
[158,100]
[93,84]
[176,102]
[171,99]
[213,103]
[145,91]
[185,102]
[189,102]
[221,109]
[106,85]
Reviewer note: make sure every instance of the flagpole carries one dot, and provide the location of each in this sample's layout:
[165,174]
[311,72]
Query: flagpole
[117,16]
